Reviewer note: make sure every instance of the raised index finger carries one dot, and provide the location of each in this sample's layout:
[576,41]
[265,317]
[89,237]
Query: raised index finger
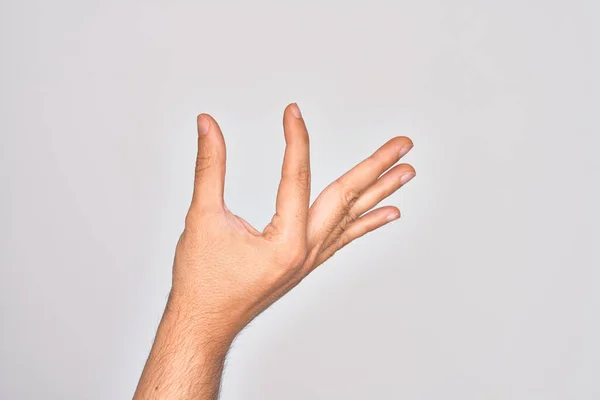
[293,195]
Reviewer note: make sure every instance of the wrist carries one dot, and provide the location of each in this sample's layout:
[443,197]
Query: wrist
[206,328]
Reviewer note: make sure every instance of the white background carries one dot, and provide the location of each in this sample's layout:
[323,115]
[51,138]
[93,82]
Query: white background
[486,288]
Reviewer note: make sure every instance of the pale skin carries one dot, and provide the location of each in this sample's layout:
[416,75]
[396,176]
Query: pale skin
[226,272]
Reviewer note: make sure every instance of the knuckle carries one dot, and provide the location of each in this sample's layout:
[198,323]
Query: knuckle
[270,232]
[203,162]
[287,264]
[349,195]
[303,176]
[192,219]
[343,240]
[348,219]
[293,256]
[201,218]
[351,216]
[296,257]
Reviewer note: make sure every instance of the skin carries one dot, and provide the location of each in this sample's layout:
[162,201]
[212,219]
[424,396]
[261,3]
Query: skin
[226,272]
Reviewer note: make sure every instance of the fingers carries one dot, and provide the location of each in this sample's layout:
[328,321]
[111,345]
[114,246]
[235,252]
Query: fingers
[333,209]
[385,186]
[209,180]
[293,195]
[365,224]
[355,181]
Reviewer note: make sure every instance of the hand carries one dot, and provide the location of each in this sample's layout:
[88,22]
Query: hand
[226,272]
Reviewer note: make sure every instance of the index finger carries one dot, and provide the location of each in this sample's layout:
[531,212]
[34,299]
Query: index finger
[293,196]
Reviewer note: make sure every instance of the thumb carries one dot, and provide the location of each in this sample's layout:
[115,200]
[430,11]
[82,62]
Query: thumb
[209,180]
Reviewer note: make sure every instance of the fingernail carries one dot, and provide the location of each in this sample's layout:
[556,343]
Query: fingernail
[393,217]
[203,125]
[406,177]
[296,111]
[405,149]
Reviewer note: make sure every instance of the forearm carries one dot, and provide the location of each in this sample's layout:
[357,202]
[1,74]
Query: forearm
[186,360]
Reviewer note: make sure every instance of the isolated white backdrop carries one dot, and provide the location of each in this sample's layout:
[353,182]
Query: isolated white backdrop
[486,288]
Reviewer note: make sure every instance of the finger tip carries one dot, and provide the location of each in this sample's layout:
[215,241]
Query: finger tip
[394,215]
[403,168]
[294,110]
[404,143]
[203,122]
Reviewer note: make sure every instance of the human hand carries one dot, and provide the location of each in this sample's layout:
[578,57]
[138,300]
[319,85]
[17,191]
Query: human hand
[226,272]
